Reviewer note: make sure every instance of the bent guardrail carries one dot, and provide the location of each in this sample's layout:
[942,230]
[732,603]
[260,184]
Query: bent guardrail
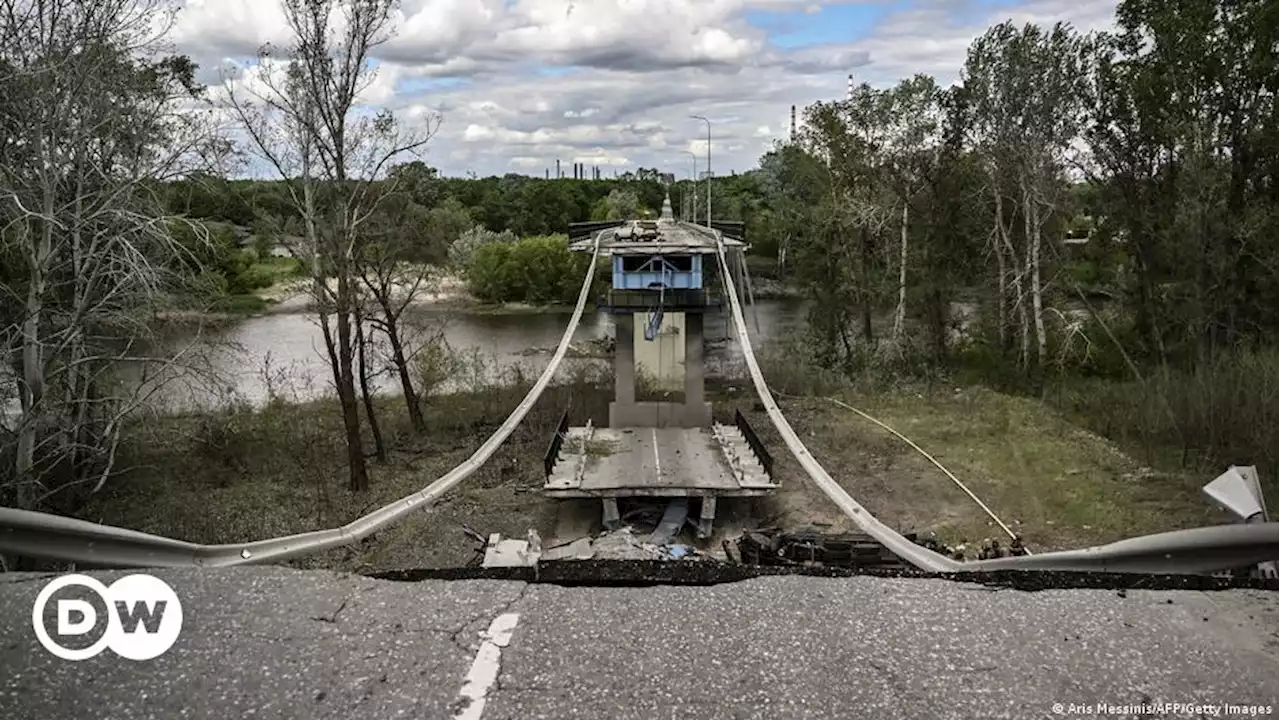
[1196,551]
[34,534]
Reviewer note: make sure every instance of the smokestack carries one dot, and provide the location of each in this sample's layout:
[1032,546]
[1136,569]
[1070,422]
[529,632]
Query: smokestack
[546,173]
[558,175]
[793,123]
[849,96]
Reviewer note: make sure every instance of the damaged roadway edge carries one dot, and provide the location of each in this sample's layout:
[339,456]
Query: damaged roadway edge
[633,573]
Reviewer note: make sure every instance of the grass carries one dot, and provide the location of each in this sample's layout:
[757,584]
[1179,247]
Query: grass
[600,448]
[1055,482]
[247,474]
[246,304]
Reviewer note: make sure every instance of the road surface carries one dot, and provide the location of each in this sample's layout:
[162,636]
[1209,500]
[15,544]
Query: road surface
[281,643]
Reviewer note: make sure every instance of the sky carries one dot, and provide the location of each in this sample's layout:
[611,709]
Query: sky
[518,84]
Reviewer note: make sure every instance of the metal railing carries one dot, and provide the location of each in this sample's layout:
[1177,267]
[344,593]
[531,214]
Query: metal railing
[1195,551]
[553,451]
[753,440]
[34,534]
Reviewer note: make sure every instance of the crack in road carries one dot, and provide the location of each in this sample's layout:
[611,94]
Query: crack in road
[456,634]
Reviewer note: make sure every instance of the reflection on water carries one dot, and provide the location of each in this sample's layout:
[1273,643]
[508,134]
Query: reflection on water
[285,353]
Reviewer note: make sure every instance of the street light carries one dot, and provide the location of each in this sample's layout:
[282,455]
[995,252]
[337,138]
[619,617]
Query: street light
[693,215]
[708,122]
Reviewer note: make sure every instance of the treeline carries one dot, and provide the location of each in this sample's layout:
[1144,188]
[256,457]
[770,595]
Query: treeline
[1156,143]
[930,225]
[522,205]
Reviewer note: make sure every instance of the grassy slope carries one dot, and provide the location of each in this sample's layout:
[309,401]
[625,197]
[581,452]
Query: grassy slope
[1054,483]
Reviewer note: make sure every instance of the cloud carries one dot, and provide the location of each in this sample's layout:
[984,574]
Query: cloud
[520,83]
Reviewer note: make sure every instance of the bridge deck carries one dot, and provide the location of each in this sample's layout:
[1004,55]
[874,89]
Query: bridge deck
[657,462]
[673,237]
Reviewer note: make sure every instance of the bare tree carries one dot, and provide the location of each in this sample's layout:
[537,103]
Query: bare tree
[92,116]
[914,115]
[394,284]
[303,114]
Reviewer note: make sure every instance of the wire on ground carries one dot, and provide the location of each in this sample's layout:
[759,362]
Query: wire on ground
[927,456]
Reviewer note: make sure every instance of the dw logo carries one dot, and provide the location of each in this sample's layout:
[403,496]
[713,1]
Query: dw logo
[139,617]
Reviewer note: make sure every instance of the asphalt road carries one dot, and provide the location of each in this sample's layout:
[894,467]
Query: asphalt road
[279,643]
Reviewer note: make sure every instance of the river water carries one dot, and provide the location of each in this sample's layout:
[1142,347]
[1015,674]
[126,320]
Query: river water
[284,353]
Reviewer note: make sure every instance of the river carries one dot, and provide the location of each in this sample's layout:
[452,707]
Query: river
[284,352]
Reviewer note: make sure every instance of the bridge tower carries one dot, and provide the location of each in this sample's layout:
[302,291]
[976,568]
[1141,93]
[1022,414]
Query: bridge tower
[666,445]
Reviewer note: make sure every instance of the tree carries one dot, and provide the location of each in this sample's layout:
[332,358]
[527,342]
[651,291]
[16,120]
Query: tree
[92,118]
[304,122]
[619,205]
[393,285]
[1028,89]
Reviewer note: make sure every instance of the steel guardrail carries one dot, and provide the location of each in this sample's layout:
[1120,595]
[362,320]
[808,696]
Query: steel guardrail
[753,441]
[1194,551]
[43,535]
[553,450]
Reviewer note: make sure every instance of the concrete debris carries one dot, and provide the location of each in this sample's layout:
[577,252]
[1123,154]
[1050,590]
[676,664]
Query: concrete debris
[620,544]
[513,553]
[987,549]
[810,546]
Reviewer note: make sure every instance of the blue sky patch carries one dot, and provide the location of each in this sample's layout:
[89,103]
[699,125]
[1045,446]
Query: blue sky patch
[416,85]
[836,24]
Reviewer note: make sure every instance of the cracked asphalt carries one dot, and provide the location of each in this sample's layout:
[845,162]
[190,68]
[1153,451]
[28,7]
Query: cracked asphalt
[281,643]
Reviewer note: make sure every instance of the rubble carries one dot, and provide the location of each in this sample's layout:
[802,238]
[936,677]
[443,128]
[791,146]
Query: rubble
[620,544]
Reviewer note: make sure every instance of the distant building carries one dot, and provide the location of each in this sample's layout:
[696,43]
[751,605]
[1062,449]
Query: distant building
[669,178]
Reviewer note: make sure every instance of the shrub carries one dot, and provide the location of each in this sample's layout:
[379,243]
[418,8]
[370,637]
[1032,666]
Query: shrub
[536,270]
[462,252]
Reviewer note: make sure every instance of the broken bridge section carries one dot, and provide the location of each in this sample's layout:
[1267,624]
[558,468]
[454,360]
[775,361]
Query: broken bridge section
[660,450]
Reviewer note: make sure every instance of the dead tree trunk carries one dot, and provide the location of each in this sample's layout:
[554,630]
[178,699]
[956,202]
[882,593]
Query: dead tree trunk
[344,378]
[379,448]
[1032,213]
[900,315]
[392,328]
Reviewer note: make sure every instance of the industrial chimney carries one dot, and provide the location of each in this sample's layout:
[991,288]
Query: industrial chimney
[849,96]
[793,123]
[558,175]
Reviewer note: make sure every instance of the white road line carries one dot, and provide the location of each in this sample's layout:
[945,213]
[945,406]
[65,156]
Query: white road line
[657,460]
[484,670]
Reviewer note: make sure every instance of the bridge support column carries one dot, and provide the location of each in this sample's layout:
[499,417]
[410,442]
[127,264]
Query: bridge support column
[694,372]
[624,360]
[625,411]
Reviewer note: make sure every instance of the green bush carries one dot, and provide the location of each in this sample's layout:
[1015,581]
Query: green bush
[538,269]
[462,252]
[1222,411]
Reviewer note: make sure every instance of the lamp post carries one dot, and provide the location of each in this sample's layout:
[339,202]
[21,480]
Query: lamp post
[708,122]
[693,214]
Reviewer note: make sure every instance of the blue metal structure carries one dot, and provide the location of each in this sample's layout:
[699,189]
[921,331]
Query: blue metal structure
[657,272]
